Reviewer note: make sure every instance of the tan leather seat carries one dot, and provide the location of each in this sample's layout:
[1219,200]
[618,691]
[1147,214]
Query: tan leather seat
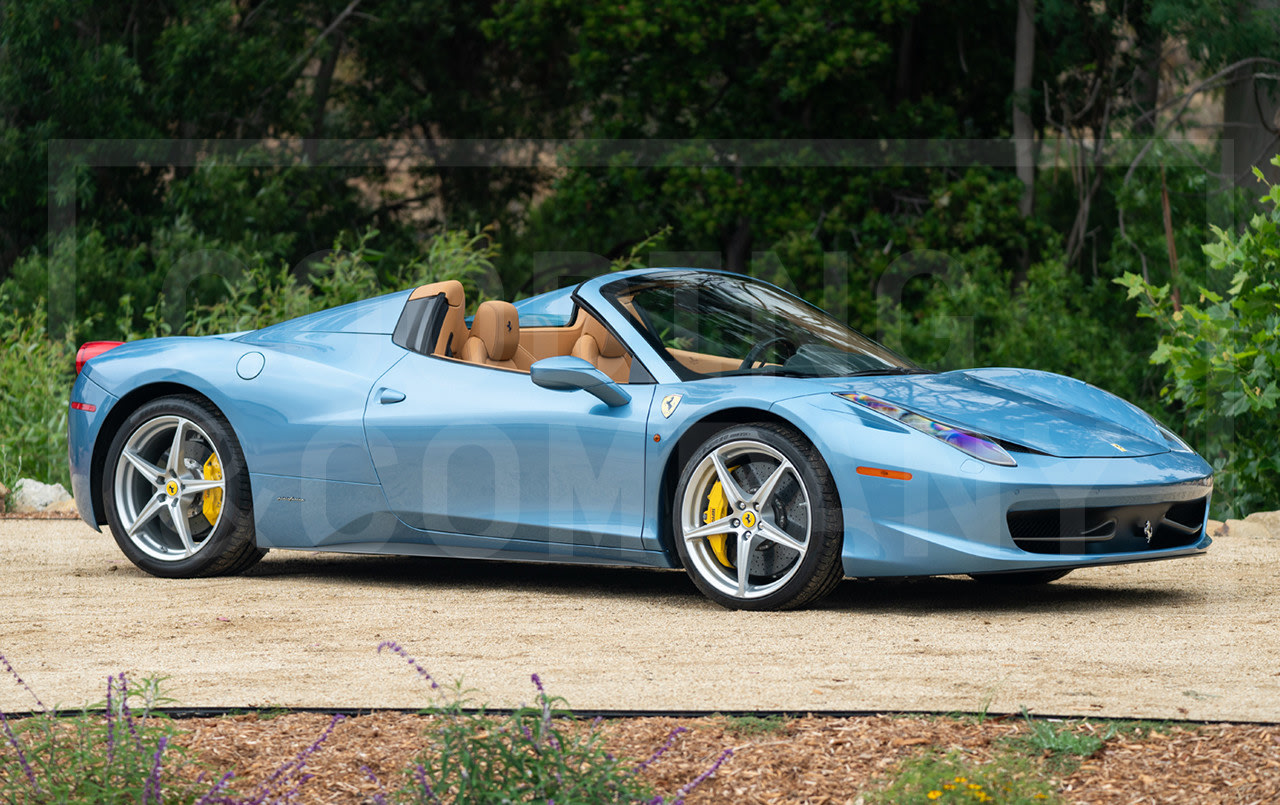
[599,347]
[453,333]
[495,338]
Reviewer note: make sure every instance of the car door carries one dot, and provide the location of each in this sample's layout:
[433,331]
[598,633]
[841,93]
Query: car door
[462,449]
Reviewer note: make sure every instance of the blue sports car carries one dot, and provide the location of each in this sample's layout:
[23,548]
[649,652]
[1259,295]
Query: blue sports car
[658,417]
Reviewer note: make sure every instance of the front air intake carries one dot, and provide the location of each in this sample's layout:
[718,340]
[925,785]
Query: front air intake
[1114,529]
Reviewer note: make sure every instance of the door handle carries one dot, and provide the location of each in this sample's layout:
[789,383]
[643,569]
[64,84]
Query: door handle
[388,396]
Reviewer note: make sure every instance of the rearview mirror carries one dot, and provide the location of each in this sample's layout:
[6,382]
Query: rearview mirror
[567,373]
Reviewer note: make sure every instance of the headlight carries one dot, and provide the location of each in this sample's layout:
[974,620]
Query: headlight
[965,441]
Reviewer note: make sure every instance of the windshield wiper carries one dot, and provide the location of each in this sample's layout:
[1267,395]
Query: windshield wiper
[889,370]
[764,371]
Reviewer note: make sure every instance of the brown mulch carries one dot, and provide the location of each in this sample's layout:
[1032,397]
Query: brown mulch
[815,760]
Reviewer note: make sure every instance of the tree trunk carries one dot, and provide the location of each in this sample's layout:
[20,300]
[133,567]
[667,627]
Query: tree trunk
[1146,85]
[1250,118]
[1024,57]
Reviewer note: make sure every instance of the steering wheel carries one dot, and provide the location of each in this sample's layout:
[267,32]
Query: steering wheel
[759,348]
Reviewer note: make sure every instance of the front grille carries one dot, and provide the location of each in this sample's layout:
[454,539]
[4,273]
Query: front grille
[1111,529]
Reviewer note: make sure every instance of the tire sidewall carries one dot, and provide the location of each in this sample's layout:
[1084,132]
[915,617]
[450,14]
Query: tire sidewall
[234,507]
[825,524]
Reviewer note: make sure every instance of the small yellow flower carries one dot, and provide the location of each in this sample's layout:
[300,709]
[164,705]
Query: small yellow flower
[974,787]
[949,787]
[934,794]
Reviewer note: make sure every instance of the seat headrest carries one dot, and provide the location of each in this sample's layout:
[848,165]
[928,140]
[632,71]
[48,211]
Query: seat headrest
[452,290]
[497,324]
[609,346]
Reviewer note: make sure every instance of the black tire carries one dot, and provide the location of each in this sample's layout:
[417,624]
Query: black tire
[1019,578]
[801,508]
[157,505]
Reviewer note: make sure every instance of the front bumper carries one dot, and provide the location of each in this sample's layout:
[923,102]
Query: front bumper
[957,522]
[951,516]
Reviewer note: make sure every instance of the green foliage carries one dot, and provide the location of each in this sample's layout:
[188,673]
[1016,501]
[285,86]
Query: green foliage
[36,369]
[537,753]
[120,757]
[1221,362]
[1060,744]
[953,778]
[755,726]
[966,317]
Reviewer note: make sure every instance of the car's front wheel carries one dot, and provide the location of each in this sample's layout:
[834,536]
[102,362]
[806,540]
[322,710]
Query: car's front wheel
[757,520]
[176,491]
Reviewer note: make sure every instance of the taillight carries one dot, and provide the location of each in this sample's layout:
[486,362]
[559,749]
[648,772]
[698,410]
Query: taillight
[92,349]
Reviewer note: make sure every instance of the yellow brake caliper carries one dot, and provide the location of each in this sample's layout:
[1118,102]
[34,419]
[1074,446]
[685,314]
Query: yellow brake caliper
[717,507]
[212,497]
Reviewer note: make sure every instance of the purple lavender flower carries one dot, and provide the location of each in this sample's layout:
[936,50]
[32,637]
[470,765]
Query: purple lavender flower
[208,799]
[124,710]
[22,758]
[289,770]
[420,774]
[538,682]
[111,726]
[22,682]
[688,787]
[378,797]
[662,750]
[153,780]
[398,649]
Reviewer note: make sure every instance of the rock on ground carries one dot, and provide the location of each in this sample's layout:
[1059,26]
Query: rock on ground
[1268,520]
[32,496]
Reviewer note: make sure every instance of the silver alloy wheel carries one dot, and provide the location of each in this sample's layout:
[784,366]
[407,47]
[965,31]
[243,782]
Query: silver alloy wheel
[772,518]
[160,486]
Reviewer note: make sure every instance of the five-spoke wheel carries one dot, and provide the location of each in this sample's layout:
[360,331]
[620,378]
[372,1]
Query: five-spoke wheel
[756,519]
[176,491]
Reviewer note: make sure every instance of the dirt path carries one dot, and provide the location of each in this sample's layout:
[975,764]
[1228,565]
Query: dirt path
[1196,638]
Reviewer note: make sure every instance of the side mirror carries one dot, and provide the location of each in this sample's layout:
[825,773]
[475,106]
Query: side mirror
[567,373]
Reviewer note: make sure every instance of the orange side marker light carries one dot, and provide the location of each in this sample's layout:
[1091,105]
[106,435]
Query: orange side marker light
[877,472]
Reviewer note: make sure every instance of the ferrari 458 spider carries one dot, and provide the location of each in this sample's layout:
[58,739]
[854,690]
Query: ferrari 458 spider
[658,417]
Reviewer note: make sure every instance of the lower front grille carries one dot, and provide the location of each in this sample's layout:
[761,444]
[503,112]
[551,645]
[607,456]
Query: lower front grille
[1113,529]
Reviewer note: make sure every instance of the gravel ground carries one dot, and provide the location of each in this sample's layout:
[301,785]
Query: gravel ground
[1188,639]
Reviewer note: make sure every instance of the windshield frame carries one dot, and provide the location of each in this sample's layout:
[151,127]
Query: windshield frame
[834,335]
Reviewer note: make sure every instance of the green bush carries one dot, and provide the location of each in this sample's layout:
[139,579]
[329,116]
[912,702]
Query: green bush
[953,778]
[1051,322]
[36,369]
[123,756]
[538,753]
[1221,358]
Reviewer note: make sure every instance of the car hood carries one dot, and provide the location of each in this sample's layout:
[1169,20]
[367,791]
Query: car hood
[1045,412]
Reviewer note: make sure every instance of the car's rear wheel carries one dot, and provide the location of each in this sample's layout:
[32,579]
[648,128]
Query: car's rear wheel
[177,491]
[757,520]
[1019,578]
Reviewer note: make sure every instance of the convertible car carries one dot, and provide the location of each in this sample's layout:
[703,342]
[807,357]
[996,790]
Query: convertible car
[658,417]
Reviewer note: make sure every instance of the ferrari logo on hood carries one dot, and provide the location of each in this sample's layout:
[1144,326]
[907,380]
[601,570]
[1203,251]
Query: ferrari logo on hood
[669,404]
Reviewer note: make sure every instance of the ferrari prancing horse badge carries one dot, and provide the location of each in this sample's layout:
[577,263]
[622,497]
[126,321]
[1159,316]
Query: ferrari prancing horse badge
[669,404]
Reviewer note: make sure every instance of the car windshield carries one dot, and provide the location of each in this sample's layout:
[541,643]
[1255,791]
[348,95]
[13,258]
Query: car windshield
[713,325]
